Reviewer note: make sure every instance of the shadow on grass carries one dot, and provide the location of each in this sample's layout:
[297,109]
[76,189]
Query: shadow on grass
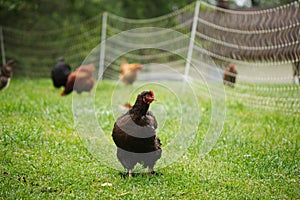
[154,174]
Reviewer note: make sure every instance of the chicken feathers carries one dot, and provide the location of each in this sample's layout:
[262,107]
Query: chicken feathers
[84,77]
[230,74]
[129,72]
[6,74]
[134,134]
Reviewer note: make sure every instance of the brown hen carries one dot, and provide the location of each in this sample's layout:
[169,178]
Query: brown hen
[134,134]
[6,74]
[230,75]
[84,77]
[129,72]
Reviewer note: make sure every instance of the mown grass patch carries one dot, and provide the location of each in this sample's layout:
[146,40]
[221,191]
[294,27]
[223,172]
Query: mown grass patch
[42,155]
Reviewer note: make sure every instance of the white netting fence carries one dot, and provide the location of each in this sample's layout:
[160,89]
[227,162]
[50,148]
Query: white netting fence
[264,45]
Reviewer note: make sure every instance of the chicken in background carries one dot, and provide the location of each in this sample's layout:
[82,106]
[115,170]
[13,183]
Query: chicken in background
[129,72]
[84,77]
[60,73]
[296,72]
[230,75]
[6,74]
[134,134]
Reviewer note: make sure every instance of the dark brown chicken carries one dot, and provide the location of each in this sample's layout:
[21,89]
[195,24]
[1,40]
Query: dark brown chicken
[135,136]
[60,73]
[230,75]
[6,74]
[84,77]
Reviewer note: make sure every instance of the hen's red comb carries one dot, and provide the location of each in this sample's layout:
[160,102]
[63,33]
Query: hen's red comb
[151,92]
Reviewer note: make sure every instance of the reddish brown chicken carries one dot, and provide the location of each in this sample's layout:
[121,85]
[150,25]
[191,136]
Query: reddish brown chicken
[129,72]
[84,77]
[134,134]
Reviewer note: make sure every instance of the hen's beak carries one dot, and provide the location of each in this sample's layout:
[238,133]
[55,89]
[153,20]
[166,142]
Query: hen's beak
[150,100]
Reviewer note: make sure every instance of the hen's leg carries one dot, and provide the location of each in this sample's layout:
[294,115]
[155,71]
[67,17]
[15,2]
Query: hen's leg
[129,173]
[150,171]
[127,160]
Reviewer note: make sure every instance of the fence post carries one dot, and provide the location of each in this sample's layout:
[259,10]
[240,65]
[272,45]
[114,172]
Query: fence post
[102,46]
[2,47]
[192,40]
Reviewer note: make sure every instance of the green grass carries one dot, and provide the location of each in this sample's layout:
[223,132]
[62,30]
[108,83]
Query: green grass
[42,155]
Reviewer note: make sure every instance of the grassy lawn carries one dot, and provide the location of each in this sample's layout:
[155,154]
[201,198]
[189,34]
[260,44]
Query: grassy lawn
[43,157]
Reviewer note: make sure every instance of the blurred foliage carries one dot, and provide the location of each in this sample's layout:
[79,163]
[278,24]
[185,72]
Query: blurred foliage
[46,14]
[51,14]
[54,14]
